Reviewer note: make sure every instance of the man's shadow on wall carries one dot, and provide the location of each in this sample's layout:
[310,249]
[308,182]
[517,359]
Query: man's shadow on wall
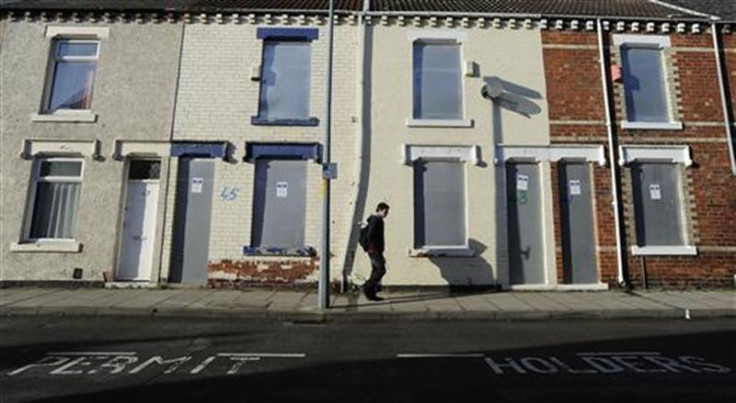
[463,275]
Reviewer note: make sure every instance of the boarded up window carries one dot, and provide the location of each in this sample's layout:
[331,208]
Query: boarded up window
[657,204]
[644,83]
[279,204]
[285,80]
[439,204]
[437,81]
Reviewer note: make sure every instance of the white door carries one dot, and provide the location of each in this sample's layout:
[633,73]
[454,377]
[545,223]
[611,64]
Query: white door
[139,227]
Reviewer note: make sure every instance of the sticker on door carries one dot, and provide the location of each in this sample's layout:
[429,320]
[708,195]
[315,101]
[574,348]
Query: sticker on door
[197,184]
[282,189]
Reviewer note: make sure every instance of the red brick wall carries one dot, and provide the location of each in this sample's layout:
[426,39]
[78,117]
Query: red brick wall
[574,91]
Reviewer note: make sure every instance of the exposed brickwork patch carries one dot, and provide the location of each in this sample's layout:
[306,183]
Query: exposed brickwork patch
[263,271]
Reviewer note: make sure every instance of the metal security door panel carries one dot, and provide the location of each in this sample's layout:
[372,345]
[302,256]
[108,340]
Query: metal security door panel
[192,220]
[439,209]
[578,235]
[526,250]
[280,204]
[657,204]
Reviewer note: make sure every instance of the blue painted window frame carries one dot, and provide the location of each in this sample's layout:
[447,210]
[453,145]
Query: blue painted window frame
[202,150]
[289,35]
[299,151]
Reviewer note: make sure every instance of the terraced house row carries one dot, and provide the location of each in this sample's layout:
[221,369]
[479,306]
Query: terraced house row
[521,144]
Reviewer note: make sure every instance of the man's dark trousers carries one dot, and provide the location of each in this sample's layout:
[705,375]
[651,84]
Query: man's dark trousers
[378,269]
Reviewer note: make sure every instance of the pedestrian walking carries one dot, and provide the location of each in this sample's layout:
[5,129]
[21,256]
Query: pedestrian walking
[373,242]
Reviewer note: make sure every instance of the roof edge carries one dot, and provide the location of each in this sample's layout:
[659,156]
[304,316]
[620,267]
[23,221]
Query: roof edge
[685,10]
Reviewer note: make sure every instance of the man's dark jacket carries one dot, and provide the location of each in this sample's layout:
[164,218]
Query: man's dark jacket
[376,243]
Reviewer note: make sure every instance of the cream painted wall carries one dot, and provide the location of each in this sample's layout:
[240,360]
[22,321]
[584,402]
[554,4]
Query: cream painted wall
[515,56]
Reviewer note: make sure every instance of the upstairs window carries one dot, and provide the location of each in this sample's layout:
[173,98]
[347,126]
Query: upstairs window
[72,75]
[285,80]
[286,77]
[438,93]
[645,82]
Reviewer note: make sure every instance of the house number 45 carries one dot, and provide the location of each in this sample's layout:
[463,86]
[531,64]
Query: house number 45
[229,193]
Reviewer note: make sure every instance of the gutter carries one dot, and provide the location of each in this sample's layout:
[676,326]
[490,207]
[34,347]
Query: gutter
[524,16]
[274,11]
[724,98]
[612,157]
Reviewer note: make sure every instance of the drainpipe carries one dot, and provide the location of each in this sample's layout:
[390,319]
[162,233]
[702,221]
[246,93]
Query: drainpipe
[361,135]
[170,163]
[724,98]
[323,301]
[612,157]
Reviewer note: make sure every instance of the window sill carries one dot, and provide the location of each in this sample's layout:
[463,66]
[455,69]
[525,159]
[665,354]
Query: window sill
[664,250]
[266,251]
[442,252]
[46,247]
[70,117]
[439,122]
[651,125]
[259,121]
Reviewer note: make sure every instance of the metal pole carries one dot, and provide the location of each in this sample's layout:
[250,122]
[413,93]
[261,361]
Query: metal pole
[611,157]
[324,258]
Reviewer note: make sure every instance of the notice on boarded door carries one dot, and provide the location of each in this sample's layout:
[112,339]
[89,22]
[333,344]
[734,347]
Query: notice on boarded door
[197,184]
[522,182]
[282,189]
[655,193]
[575,189]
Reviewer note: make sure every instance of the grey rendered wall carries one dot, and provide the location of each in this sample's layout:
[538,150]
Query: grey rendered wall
[133,98]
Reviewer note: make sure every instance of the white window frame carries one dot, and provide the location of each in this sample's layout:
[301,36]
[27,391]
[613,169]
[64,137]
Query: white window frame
[439,38]
[31,202]
[66,115]
[659,154]
[650,42]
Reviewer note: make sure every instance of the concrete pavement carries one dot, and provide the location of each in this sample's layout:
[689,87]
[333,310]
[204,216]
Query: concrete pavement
[418,304]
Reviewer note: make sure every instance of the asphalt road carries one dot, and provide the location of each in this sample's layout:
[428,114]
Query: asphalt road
[57,359]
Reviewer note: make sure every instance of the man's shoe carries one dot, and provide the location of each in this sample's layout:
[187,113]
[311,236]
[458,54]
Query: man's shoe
[375,298]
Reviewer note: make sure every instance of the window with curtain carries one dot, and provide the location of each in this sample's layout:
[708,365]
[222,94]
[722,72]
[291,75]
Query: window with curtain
[439,204]
[644,84]
[72,75]
[437,81]
[285,80]
[57,184]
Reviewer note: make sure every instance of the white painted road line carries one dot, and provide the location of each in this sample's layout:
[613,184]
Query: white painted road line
[440,355]
[105,353]
[618,353]
[264,355]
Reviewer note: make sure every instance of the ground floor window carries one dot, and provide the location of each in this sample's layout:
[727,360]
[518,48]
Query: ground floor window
[657,204]
[54,199]
[439,204]
[279,205]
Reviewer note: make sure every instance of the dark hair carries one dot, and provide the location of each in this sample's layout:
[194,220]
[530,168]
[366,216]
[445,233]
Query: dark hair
[382,206]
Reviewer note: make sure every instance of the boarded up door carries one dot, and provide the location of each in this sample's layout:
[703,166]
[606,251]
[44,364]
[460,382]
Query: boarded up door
[578,235]
[280,203]
[192,220]
[526,250]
